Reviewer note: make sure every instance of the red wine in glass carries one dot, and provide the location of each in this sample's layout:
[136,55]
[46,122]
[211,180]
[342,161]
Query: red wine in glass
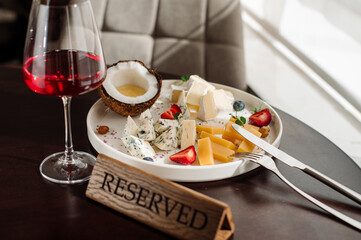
[52,73]
[63,57]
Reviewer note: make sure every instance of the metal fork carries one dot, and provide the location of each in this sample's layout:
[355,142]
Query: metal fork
[268,163]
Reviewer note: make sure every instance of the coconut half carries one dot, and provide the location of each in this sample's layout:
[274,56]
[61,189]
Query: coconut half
[130,73]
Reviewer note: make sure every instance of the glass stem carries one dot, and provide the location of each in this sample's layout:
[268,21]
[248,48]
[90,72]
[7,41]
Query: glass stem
[69,151]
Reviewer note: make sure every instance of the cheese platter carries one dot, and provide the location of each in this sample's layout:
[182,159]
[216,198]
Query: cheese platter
[164,141]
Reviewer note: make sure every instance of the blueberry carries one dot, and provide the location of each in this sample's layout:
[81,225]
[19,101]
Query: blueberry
[238,105]
[149,159]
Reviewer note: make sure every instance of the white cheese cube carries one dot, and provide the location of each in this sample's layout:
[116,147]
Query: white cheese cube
[176,91]
[230,96]
[137,147]
[130,128]
[189,133]
[221,100]
[193,111]
[207,108]
[167,140]
[196,78]
[195,93]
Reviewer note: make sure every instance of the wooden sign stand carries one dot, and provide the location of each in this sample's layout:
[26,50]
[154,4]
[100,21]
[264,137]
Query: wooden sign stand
[159,203]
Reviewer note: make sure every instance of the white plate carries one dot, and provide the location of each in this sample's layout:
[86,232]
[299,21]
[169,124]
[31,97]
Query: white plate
[111,144]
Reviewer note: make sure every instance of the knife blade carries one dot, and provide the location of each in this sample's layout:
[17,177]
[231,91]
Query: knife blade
[293,162]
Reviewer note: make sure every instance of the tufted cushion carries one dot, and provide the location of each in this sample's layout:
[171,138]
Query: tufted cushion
[183,37]
[179,56]
[181,19]
[133,16]
[127,46]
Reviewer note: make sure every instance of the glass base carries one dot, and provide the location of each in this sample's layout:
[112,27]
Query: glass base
[56,169]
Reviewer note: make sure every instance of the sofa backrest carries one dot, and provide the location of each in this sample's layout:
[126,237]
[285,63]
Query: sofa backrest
[182,37]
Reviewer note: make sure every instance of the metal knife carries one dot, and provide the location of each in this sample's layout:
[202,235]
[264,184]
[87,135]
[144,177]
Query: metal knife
[293,162]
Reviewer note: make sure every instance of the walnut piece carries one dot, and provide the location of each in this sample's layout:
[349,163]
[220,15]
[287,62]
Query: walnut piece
[265,131]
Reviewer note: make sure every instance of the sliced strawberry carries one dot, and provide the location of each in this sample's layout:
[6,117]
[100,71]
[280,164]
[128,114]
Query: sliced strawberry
[185,157]
[175,109]
[169,114]
[261,118]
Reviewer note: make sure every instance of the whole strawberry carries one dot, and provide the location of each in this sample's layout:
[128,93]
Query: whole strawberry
[261,118]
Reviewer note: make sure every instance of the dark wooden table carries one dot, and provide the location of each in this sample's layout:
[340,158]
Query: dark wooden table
[262,206]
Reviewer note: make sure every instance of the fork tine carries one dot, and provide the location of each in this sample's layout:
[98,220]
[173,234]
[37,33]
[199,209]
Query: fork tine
[251,156]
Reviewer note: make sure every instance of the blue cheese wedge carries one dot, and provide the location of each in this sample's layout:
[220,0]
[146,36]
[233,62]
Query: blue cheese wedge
[183,105]
[145,126]
[163,124]
[167,140]
[131,128]
[146,114]
[179,130]
[138,147]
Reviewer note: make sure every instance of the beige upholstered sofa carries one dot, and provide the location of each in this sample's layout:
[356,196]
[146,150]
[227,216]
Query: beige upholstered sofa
[182,37]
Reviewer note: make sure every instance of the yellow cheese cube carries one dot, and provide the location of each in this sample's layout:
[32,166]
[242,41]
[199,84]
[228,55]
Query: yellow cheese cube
[246,126]
[249,126]
[205,153]
[222,158]
[210,129]
[232,135]
[221,153]
[229,138]
[218,140]
[245,146]
[254,132]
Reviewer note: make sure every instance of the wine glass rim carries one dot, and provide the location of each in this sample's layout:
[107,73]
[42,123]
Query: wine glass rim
[62,3]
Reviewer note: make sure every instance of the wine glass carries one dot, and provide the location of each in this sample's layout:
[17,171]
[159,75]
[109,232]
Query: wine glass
[63,57]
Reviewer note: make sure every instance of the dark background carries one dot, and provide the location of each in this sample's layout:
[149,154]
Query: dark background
[13,23]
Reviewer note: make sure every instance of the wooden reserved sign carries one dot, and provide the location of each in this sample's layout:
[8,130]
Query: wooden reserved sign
[159,203]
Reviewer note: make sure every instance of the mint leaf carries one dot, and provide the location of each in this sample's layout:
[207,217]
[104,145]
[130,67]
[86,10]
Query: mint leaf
[240,121]
[243,120]
[176,115]
[185,78]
